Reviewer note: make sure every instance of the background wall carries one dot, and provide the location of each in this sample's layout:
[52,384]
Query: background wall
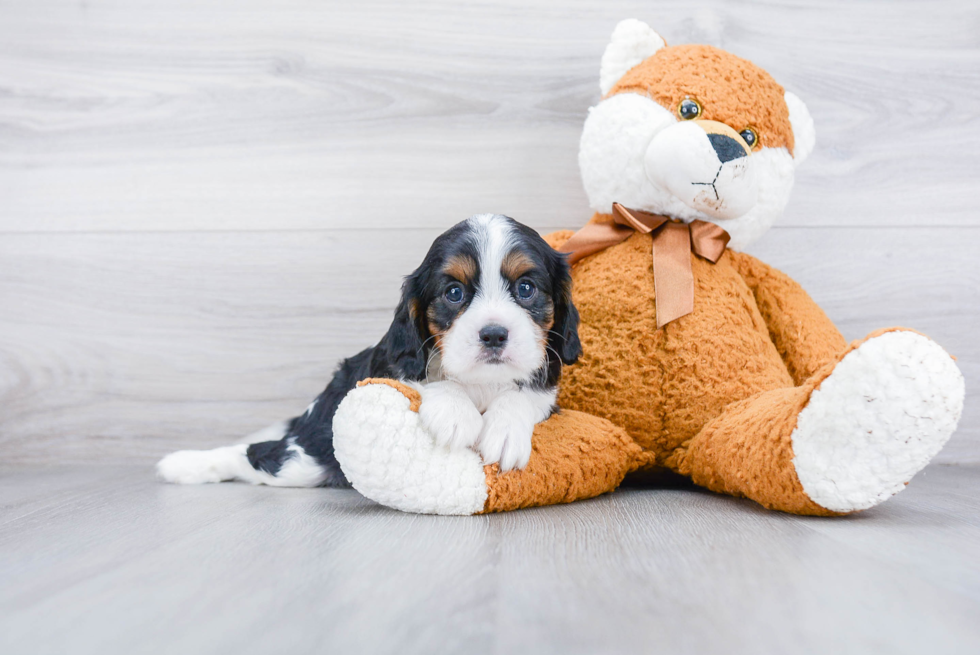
[205,204]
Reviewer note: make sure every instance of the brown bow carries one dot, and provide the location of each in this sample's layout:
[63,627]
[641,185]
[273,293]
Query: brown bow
[673,242]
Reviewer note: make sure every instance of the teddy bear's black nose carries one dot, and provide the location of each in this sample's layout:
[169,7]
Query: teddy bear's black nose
[726,147]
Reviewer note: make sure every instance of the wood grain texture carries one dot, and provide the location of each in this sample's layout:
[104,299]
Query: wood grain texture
[120,347]
[105,560]
[205,205]
[305,115]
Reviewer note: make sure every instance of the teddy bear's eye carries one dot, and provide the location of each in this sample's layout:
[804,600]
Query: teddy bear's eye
[689,109]
[751,138]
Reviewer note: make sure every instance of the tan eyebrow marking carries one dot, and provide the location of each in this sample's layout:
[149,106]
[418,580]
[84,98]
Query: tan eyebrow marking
[461,267]
[515,265]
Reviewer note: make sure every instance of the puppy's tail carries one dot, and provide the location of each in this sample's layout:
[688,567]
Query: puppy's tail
[270,456]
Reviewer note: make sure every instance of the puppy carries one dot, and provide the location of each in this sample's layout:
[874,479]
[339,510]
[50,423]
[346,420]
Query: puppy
[482,330]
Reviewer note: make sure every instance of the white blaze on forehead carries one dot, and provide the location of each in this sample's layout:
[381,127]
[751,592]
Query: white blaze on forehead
[495,238]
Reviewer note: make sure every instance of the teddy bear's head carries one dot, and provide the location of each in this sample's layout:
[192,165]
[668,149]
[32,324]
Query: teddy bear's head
[691,132]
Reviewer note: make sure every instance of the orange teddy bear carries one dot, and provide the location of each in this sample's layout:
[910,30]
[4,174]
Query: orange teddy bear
[697,357]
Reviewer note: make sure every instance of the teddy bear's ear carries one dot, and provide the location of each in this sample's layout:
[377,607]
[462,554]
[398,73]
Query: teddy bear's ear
[632,42]
[804,134]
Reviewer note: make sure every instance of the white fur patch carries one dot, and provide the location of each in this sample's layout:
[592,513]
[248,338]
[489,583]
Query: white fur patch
[884,412]
[203,466]
[509,423]
[804,133]
[389,457]
[231,463]
[681,161]
[616,145]
[300,470]
[492,304]
[632,41]
[465,399]
[612,150]
[450,415]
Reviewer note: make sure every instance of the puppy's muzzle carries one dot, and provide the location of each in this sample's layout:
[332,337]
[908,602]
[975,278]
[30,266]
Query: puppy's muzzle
[494,337]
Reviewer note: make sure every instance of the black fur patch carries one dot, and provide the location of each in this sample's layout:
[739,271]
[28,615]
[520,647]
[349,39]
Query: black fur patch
[404,350]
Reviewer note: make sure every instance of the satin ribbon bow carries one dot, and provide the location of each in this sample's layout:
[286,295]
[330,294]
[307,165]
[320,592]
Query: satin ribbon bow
[673,243]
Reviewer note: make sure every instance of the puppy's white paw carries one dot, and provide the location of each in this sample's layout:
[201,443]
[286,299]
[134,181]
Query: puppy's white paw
[506,438]
[449,415]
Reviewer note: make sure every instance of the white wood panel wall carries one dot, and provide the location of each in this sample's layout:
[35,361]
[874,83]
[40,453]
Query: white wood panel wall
[204,205]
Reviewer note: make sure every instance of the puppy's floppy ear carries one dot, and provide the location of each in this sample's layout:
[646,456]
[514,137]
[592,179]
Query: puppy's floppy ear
[564,335]
[403,345]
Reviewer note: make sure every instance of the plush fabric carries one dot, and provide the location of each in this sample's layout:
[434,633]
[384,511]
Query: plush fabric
[731,90]
[755,393]
[663,385]
[391,459]
[803,335]
[574,456]
[414,397]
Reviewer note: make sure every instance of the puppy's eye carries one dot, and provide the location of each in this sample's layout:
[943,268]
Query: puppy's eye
[689,109]
[525,289]
[751,138]
[454,294]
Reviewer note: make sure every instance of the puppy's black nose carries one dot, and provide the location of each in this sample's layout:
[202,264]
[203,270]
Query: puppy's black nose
[493,336]
[726,147]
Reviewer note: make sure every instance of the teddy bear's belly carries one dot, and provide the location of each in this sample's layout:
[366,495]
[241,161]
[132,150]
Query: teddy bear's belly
[663,385]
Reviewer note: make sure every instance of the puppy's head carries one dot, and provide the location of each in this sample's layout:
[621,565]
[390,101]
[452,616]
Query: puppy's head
[490,304]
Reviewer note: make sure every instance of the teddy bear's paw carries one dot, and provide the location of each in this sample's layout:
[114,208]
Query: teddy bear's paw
[390,458]
[887,408]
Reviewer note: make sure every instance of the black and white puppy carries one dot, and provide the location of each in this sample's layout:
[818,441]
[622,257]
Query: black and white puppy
[482,330]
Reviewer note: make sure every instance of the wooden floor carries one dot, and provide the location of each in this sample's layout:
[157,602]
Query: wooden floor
[105,560]
[205,205]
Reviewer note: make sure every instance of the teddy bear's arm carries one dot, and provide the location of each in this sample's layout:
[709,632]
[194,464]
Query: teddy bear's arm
[804,336]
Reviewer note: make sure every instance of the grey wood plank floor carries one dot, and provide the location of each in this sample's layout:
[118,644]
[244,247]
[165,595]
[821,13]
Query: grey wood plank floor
[106,560]
[184,190]
[186,187]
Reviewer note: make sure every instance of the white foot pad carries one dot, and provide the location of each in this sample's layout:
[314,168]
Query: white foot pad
[885,411]
[389,457]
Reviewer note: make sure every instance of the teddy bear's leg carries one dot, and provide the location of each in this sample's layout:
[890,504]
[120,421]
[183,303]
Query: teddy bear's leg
[389,458]
[847,439]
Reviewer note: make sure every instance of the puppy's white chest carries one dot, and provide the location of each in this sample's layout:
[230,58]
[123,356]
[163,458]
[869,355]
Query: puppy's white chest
[484,394]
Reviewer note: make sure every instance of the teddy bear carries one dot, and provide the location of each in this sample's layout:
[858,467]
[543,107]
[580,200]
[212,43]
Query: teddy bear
[697,357]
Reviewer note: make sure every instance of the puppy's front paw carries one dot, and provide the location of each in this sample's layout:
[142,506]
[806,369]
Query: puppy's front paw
[506,438]
[450,416]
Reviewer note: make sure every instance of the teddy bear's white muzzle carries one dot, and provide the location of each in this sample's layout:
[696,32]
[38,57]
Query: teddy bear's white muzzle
[711,173]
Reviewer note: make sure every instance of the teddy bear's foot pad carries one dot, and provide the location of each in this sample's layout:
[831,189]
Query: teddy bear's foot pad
[880,416]
[390,458]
